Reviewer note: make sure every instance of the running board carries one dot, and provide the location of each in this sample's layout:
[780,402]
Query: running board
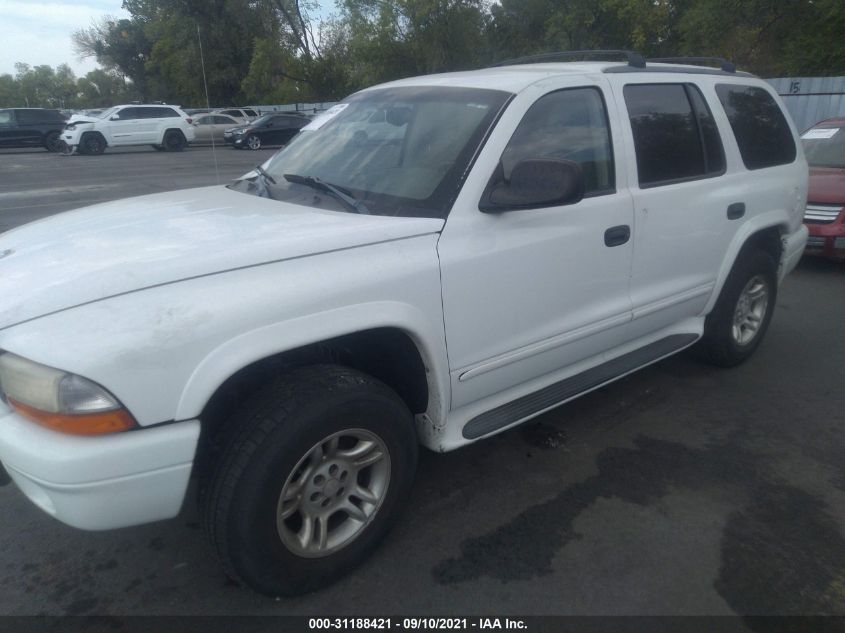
[568,388]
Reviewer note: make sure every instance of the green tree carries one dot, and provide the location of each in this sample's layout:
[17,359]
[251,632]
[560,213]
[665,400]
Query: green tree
[9,92]
[118,45]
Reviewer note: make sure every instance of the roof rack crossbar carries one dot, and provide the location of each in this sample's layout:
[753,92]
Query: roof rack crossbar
[725,65]
[634,59]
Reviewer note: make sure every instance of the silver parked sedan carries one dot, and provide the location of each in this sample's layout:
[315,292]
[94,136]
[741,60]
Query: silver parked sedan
[210,127]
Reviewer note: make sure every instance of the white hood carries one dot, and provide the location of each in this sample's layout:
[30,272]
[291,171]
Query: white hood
[127,245]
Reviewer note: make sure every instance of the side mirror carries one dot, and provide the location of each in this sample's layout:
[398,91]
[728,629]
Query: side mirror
[114,117]
[535,183]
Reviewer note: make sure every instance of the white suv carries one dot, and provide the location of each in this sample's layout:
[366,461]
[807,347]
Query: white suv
[165,127]
[291,339]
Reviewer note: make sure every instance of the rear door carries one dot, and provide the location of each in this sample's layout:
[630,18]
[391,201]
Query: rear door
[683,208]
[7,125]
[29,124]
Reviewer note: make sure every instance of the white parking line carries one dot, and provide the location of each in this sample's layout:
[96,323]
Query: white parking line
[56,191]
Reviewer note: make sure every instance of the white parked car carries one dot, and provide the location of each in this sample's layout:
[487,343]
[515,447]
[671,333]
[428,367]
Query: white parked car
[165,127]
[210,127]
[243,115]
[525,235]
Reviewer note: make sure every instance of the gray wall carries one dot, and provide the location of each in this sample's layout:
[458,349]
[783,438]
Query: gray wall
[811,99]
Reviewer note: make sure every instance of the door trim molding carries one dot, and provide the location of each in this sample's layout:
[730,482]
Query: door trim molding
[566,389]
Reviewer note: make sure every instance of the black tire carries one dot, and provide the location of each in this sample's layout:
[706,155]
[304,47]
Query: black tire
[52,141]
[277,430]
[253,141]
[174,141]
[92,143]
[723,343]
[158,148]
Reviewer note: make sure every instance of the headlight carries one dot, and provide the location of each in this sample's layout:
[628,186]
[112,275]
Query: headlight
[59,400]
[70,127]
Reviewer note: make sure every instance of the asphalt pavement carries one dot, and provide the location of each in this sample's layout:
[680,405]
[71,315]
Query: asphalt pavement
[680,490]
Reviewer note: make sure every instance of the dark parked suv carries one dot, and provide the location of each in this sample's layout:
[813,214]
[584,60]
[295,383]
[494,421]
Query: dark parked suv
[26,127]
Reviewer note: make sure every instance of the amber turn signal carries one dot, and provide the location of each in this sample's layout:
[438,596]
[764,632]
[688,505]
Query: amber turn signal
[101,423]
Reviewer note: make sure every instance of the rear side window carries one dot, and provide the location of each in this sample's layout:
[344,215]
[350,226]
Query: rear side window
[249,112]
[29,117]
[569,124]
[761,130]
[675,136]
[5,116]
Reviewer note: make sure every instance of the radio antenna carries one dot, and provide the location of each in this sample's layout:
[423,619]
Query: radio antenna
[208,105]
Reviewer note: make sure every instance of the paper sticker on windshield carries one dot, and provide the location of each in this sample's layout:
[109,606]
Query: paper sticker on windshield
[822,132]
[326,116]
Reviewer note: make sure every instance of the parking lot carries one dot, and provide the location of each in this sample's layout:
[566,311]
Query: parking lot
[682,489]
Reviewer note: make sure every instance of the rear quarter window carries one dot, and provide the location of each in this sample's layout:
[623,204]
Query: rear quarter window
[758,124]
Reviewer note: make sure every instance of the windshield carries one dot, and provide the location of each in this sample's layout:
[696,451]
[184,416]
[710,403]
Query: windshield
[825,146]
[399,151]
[107,113]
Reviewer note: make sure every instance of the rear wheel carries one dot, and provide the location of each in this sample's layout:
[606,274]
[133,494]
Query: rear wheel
[741,316]
[174,141]
[322,462]
[92,143]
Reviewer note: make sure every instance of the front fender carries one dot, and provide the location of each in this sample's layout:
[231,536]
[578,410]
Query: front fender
[164,349]
[245,349]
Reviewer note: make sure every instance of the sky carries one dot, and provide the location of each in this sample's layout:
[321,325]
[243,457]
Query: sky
[38,31]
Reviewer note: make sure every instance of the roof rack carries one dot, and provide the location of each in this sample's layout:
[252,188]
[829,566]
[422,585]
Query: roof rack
[634,59]
[724,64]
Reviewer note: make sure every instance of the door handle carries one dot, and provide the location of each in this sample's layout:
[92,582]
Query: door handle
[617,235]
[736,210]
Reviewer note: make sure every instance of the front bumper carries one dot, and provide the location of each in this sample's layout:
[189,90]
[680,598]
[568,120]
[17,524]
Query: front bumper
[100,483]
[827,239]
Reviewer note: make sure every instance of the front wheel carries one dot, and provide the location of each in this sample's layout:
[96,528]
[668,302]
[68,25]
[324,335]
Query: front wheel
[741,316]
[92,143]
[52,141]
[316,474]
[253,141]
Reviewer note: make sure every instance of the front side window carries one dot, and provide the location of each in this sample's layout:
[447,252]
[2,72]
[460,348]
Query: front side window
[128,114]
[675,136]
[824,145]
[570,124]
[761,130]
[398,151]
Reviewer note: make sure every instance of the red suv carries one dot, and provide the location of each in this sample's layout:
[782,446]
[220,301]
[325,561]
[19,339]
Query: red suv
[824,145]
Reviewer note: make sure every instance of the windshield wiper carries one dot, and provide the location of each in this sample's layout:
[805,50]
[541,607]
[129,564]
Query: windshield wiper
[336,192]
[263,178]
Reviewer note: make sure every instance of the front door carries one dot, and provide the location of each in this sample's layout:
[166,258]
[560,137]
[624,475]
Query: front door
[123,127]
[528,292]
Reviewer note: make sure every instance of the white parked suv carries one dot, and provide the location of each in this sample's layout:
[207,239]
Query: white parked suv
[528,234]
[165,127]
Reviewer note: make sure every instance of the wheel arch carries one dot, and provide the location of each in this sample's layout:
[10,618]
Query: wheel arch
[88,133]
[765,232]
[390,354]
